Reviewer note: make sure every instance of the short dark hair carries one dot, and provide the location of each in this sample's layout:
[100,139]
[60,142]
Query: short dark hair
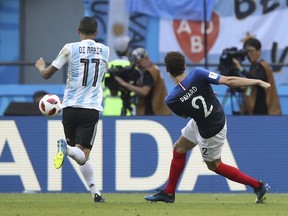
[253,42]
[175,63]
[88,25]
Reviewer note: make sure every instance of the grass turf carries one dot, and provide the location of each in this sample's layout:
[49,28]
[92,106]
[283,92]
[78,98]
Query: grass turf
[133,204]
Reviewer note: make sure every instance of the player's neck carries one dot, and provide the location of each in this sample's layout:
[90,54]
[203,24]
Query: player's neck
[86,37]
[179,78]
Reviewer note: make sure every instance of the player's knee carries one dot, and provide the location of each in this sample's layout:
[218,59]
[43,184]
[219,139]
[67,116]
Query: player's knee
[181,148]
[212,165]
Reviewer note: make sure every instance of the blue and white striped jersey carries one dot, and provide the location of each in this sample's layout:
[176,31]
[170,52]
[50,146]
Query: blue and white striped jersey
[87,64]
[194,97]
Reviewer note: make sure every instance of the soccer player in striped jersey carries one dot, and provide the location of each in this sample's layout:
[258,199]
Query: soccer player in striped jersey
[193,97]
[87,62]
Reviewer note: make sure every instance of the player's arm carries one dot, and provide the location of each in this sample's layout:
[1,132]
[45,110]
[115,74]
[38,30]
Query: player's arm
[183,116]
[235,82]
[46,73]
[176,109]
[62,58]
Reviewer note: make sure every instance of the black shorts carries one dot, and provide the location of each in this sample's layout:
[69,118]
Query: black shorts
[80,126]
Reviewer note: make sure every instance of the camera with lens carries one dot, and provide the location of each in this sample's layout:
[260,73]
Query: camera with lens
[227,66]
[129,74]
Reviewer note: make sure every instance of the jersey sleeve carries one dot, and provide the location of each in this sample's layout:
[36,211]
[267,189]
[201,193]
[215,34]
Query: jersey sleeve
[176,109]
[62,57]
[106,54]
[212,77]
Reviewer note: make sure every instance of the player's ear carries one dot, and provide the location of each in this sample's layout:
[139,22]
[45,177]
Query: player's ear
[169,74]
[166,70]
[96,32]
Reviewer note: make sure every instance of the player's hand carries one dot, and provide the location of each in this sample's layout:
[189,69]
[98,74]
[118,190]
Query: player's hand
[265,85]
[40,64]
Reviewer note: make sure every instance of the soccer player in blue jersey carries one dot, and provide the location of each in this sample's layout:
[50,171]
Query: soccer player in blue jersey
[193,97]
[87,62]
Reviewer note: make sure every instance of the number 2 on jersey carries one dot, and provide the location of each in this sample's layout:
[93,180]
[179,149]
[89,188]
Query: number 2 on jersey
[206,111]
[86,68]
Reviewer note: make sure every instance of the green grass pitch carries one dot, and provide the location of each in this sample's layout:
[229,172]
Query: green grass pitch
[118,204]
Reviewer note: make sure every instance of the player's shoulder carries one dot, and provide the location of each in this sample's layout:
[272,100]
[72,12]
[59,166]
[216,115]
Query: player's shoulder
[195,73]
[105,50]
[202,72]
[173,95]
[70,46]
[103,46]
[72,43]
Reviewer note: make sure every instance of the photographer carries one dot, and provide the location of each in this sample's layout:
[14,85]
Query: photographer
[112,102]
[150,88]
[255,100]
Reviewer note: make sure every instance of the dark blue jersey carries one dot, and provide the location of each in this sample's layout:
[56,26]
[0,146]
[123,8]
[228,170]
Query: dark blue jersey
[195,98]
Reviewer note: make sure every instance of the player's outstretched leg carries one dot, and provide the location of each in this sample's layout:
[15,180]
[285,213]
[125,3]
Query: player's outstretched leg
[61,153]
[261,191]
[161,196]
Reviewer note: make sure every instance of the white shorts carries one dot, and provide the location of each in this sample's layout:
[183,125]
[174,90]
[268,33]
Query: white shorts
[210,148]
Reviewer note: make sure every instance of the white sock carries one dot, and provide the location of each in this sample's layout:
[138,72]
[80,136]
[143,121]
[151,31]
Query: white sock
[88,174]
[76,154]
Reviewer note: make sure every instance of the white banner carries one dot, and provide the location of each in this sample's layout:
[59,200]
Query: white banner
[223,32]
[118,23]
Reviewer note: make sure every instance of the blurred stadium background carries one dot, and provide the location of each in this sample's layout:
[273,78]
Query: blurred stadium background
[133,154]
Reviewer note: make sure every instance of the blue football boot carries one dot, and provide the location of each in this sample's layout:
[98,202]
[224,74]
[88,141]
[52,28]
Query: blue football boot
[161,196]
[261,191]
